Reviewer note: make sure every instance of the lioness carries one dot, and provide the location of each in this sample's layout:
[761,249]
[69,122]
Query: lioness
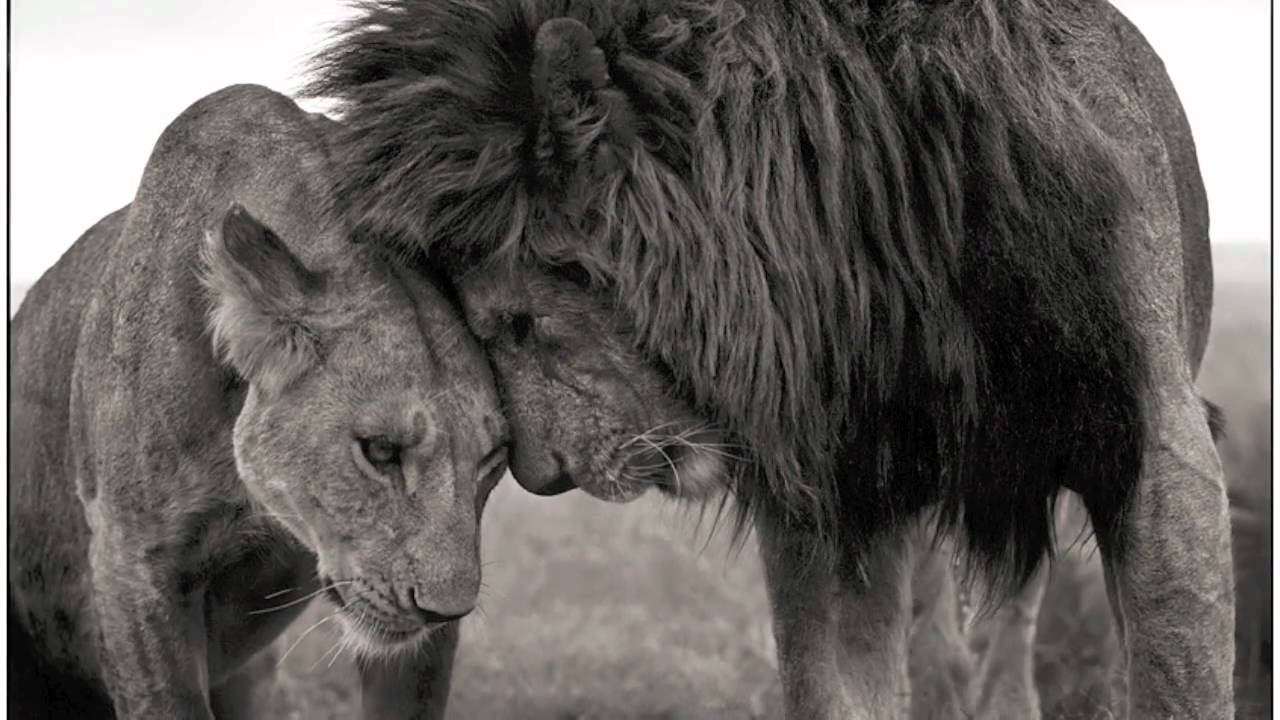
[214,423]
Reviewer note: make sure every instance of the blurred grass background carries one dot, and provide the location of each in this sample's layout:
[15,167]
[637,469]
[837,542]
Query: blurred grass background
[592,610]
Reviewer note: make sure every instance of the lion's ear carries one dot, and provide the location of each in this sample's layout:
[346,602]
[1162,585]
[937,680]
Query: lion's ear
[260,293]
[584,120]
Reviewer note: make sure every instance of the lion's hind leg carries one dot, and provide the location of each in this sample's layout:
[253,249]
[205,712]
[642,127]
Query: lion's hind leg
[1170,574]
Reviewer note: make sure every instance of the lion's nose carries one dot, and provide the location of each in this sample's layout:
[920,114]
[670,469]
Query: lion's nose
[541,473]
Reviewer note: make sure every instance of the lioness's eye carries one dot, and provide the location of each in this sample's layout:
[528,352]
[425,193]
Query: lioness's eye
[380,451]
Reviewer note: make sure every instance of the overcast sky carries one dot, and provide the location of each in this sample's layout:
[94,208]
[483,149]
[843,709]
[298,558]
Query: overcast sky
[94,82]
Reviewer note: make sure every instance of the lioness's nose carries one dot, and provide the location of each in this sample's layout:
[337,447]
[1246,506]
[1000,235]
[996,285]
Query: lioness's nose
[428,614]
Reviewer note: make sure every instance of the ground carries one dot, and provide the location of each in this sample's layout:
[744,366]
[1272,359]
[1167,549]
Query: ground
[592,610]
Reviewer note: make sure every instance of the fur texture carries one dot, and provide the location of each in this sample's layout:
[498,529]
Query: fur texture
[905,202]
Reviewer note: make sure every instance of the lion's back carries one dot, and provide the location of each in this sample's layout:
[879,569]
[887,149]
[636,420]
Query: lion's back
[1150,80]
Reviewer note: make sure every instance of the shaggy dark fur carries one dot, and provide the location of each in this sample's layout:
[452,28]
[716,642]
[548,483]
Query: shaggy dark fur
[904,201]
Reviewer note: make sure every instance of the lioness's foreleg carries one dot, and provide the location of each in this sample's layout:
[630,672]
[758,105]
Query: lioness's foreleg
[153,638]
[236,697]
[1171,572]
[411,687]
[842,633]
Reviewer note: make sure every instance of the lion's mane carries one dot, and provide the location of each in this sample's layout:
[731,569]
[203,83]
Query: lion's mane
[874,239]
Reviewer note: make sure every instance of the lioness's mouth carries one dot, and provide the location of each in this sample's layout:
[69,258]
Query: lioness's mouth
[390,636]
[373,633]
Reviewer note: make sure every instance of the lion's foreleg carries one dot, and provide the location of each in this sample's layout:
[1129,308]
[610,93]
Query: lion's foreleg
[1172,574]
[1006,677]
[410,687]
[841,635]
[942,663]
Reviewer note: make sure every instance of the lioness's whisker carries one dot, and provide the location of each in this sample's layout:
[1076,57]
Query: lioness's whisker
[308,631]
[332,649]
[304,598]
[346,642]
[278,593]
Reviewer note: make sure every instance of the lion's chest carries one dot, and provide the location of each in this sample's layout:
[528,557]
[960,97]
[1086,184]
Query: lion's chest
[251,600]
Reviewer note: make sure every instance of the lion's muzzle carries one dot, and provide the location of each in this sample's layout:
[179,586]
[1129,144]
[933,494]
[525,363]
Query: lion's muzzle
[541,473]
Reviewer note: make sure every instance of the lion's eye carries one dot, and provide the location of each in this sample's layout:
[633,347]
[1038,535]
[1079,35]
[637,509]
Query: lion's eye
[380,451]
[573,273]
[521,327]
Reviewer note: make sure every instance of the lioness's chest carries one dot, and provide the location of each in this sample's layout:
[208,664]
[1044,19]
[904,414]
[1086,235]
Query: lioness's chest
[252,597]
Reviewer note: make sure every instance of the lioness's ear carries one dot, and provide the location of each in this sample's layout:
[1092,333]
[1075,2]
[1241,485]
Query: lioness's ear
[260,295]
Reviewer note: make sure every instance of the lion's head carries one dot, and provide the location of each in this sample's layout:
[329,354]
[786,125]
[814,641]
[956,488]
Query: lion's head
[845,243]
[370,428]
[587,409]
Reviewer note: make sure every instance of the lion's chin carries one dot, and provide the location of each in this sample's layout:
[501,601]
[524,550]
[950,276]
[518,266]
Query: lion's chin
[616,491]
[692,472]
[700,475]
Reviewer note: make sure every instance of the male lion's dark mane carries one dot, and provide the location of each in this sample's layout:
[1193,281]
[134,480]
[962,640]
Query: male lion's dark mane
[875,239]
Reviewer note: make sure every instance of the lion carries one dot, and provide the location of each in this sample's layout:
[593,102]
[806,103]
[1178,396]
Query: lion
[861,265]
[211,432]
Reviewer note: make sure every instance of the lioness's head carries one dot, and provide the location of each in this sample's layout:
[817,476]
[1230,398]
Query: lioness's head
[370,428]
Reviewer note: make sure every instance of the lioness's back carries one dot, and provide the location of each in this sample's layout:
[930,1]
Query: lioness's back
[42,343]
[42,340]
[47,576]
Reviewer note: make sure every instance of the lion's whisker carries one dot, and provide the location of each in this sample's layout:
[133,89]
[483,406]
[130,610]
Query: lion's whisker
[646,434]
[675,472]
[713,448]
